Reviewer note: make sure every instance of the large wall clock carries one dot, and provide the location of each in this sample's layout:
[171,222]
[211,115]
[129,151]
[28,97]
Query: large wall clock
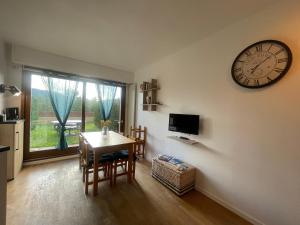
[261,64]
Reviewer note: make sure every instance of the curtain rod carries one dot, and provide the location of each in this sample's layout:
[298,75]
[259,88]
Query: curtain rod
[72,76]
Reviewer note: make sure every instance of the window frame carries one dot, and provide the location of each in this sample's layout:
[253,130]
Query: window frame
[26,108]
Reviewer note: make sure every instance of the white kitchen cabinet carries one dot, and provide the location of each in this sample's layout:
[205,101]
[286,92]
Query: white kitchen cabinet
[11,134]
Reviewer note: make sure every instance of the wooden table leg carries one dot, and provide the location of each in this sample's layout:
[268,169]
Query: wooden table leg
[95,180]
[130,161]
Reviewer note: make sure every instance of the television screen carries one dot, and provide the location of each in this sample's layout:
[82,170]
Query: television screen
[184,123]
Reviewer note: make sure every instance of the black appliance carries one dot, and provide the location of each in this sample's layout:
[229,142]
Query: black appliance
[184,123]
[12,113]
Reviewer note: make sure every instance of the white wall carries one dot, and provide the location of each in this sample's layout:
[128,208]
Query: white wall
[250,156]
[3,71]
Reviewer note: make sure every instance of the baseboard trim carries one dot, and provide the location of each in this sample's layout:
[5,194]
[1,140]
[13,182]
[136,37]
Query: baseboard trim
[42,161]
[230,207]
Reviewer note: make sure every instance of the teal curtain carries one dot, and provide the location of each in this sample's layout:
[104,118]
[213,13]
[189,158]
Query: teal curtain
[62,94]
[106,96]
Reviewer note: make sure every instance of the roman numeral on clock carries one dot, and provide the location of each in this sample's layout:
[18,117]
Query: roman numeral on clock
[282,60]
[237,69]
[257,82]
[259,48]
[278,70]
[239,76]
[246,81]
[247,53]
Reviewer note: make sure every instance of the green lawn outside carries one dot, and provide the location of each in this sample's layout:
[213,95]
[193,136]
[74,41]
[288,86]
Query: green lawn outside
[43,136]
[90,126]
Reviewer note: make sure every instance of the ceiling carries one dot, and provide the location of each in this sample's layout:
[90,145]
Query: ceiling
[125,34]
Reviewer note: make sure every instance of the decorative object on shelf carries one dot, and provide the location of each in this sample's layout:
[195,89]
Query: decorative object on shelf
[105,126]
[148,99]
[261,64]
[12,89]
[149,90]
[142,86]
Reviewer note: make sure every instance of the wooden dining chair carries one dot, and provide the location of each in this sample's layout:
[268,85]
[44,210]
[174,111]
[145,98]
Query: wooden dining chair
[105,165]
[140,136]
[121,159]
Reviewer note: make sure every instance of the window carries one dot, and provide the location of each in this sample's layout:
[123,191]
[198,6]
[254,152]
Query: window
[92,112]
[43,122]
[42,126]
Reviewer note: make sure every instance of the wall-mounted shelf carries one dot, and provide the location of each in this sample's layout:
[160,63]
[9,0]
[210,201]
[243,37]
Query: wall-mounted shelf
[149,91]
[186,141]
[152,104]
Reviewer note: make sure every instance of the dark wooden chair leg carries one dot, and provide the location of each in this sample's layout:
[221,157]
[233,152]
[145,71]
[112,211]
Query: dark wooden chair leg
[111,174]
[104,170]
[79,160]
[86,181]
[83,174]
[133,170]
[143,151]
[115,172]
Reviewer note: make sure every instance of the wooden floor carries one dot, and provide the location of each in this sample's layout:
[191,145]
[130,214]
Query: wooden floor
[53,194]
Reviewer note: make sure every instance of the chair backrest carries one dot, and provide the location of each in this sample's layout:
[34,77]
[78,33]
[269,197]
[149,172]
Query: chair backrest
[138,133]
[83,146]
[85,151]
[81,140]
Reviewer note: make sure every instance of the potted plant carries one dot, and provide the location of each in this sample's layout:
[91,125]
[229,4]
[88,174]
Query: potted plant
[105,126]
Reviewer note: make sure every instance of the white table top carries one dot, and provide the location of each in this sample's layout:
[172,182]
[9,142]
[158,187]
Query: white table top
[97,140]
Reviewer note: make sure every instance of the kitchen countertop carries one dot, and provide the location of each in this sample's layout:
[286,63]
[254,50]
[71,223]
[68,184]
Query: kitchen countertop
[11,121]
[4,148]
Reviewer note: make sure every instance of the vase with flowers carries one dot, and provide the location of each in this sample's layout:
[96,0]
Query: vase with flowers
[105,126]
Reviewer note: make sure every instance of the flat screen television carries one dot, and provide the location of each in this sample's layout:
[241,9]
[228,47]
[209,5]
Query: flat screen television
[184,123]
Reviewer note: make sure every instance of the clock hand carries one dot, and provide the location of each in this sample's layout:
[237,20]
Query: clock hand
[255,67]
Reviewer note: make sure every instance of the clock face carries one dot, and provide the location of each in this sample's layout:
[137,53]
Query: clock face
[261,64]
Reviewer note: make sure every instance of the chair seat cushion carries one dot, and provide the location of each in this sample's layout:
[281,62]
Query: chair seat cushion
[123,154]
[108,157]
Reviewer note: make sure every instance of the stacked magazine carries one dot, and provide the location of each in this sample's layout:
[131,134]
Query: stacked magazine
[174,161]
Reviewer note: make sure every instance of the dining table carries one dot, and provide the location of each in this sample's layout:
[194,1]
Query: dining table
[100,144]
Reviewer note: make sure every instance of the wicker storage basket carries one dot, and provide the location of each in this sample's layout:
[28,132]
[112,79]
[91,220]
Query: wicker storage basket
[168,174]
